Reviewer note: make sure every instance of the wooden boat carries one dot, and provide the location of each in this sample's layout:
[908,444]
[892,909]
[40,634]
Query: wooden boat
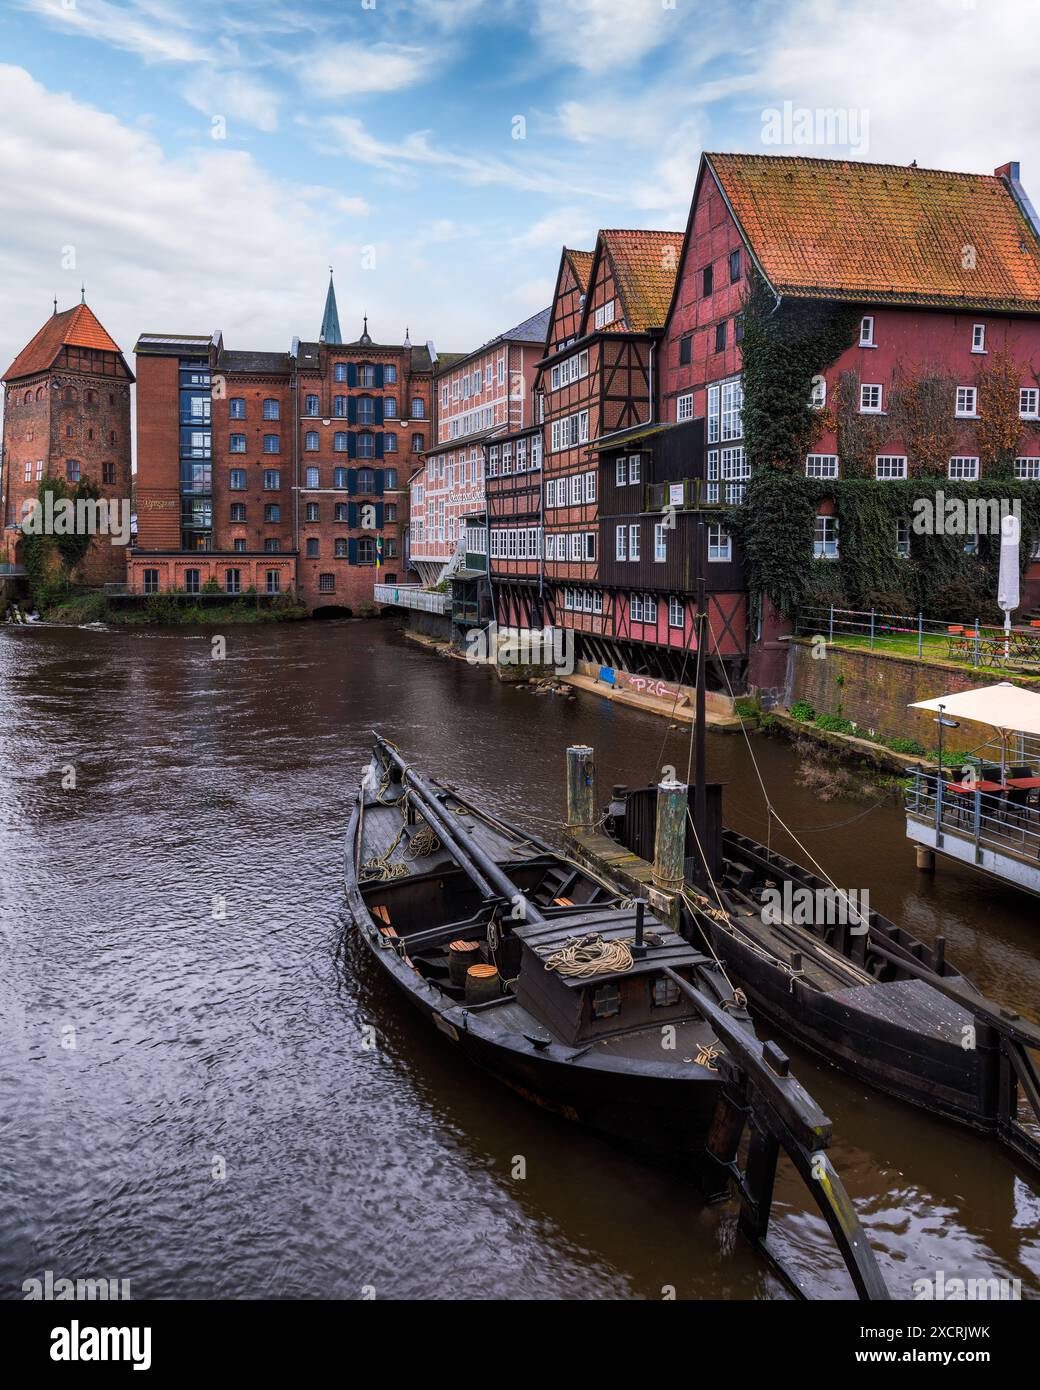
[658,1055]
[858,990]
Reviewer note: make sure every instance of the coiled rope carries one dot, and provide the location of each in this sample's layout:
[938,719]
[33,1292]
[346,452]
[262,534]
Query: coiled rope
[423,843]
[590,955]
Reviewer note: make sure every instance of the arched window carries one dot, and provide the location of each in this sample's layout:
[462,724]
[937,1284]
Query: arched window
[366,480]
[366,445]
[339,407]
[70,394]
[339,372]
[339,441]
[339,477]
[28,398]
[40,393]
[366,410]
[390,478]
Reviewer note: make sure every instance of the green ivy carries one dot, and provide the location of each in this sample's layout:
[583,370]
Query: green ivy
[784,347]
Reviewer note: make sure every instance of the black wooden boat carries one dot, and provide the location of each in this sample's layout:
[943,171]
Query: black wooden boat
[658,1055]
[854,988]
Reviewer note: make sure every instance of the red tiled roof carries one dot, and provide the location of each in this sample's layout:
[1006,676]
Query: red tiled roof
[644,264]
[76,327]
[581,264]
[840,229]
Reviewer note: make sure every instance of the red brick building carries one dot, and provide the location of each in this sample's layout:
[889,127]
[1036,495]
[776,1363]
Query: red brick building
[67,415]
[278,471]
[942,271]
[480,395]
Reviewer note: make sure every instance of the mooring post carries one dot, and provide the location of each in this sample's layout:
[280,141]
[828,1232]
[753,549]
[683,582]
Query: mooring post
[670,836]
[581,788]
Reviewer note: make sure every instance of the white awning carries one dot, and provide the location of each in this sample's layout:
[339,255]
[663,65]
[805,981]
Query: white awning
[1005,706]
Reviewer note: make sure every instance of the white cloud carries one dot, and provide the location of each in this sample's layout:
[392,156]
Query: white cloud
[353,138]
[156,32]
[354,69]
[599,35]
[234,95]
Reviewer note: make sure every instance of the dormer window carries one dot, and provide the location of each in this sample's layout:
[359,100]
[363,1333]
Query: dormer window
[978,337]
[866,331]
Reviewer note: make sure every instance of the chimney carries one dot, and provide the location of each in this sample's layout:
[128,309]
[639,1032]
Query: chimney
[1010,174]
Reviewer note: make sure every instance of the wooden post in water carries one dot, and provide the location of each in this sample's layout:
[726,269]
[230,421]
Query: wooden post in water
[670,836]
[581,788]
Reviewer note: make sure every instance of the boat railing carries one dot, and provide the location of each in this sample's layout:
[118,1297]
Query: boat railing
[988,820]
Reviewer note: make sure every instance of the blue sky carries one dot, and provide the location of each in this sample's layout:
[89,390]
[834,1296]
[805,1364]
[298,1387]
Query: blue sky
[379,136]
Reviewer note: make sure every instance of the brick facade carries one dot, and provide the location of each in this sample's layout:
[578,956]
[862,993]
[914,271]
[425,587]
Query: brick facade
[303,455]
[67,415]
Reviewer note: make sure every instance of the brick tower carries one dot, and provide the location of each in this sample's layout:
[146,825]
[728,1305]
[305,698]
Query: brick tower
[67,415]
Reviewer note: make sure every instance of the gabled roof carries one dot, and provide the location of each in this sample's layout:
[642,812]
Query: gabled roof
[76,327]
[884,233]
[581,264]
[644,265]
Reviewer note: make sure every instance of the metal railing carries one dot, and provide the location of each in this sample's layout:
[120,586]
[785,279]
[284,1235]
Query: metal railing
[989,820]
[412,596]
[971,643]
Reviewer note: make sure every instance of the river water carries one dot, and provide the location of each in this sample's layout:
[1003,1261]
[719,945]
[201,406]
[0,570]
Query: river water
[187,1100]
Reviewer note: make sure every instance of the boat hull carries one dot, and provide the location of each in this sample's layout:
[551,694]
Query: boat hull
[661,1114]
[871,1033]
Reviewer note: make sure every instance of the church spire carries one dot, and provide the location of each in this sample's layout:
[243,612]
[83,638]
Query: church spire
[330,322]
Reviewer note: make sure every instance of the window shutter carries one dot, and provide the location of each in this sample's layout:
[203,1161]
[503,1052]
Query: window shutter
[379,446]
[380,481]
[352,475]
[352,551]
[351,373]
[379,408]
[379,373]
[352,410]
[351,445]
[352,515]
[379,516]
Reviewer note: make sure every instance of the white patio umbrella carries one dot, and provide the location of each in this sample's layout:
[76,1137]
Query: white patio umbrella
[1008,596]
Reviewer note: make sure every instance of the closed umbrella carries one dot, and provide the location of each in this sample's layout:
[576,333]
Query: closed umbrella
[1008,597]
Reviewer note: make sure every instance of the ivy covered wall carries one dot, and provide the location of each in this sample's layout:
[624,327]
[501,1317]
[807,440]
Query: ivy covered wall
[785,347]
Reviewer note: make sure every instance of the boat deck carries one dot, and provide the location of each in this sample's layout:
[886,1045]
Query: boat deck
[665,947]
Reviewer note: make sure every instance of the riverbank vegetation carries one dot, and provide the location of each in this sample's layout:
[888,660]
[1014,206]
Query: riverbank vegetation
[62,605]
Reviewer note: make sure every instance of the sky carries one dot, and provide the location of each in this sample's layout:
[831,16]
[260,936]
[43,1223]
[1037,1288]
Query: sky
[200,164]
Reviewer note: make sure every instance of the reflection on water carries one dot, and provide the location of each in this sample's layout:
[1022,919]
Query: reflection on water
[181,997]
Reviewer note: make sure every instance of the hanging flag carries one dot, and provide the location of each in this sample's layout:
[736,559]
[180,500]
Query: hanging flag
[379,552]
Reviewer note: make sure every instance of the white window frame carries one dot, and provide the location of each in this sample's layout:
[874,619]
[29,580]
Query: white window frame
[684,408]
[890,467]
[967,403]
[660,542]
[821,465]
[590,488]
[866,331]
[620,542]
[825,537]
[1029,402]
[967,468]
[720,544]
[864,407]
[633,541]
[902,538]
[818,393]
[978,337]
[676,613]
[635,467]
[621,471]
[1027,468]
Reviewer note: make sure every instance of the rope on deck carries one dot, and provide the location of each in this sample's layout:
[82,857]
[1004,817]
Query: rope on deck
[590,955]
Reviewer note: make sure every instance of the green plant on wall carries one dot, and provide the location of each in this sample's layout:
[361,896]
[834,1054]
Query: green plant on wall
[50,560]
[785,345]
